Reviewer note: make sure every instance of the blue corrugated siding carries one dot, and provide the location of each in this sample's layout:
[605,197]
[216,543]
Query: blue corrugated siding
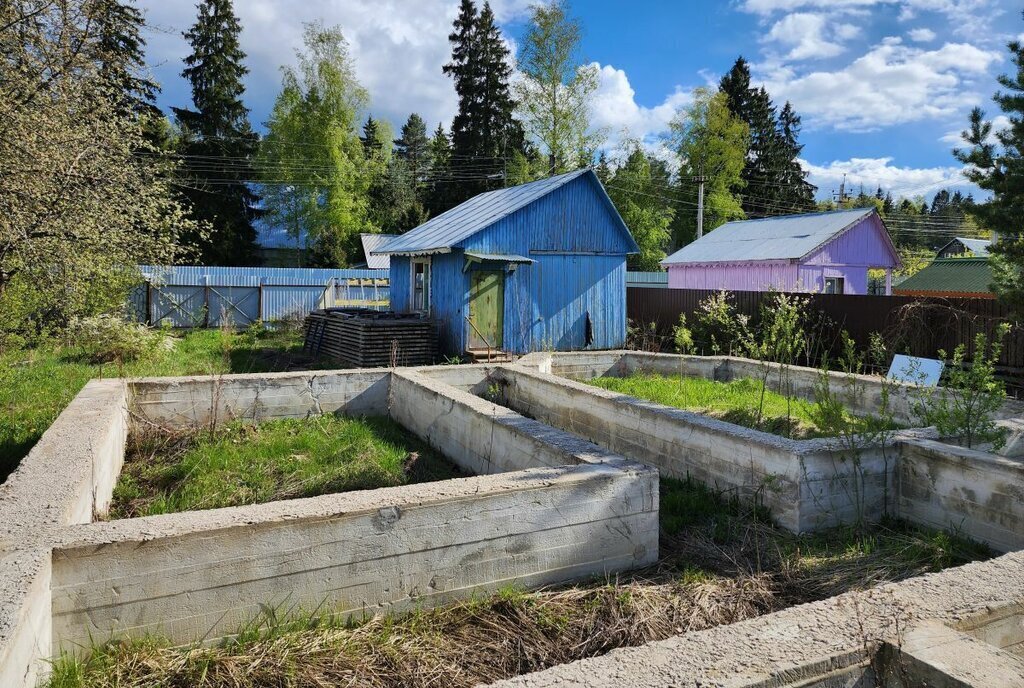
[201,275]
[400,275]
[546,302]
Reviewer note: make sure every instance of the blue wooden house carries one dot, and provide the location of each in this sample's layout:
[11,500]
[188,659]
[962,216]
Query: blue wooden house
[540,266]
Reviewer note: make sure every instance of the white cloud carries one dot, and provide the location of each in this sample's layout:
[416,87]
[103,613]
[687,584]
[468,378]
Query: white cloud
[921,35]
[399,48]
[772,6]
[807,35]
[875,172]
[615,108]
[890,84]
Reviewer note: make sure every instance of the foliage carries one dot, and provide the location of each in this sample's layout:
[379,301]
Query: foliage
[779,336]
[963,406]
[555,90]
[995,162]
[636,190]
[711,143]
[317,178]
[776,182]
[83,195]
[682,337]
[718,329]
[218,129]
[109,338]
[483,133]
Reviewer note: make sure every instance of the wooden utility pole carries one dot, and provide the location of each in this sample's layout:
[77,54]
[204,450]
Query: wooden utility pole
[700,204]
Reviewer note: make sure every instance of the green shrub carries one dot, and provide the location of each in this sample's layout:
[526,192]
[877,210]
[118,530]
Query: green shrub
[718,328]
[682,337]
[107,338]
[971,394]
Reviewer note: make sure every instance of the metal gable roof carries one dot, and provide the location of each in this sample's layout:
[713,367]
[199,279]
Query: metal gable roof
[952,275]
[440,234]
[979,247]
[787,237]
[372,243]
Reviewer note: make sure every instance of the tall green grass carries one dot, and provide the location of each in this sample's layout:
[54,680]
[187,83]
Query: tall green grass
[736,401]
[281,459]
[36,384]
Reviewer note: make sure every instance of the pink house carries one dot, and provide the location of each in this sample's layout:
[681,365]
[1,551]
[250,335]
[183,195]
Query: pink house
[816,252]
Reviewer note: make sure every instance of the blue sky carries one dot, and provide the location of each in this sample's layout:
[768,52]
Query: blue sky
[884,86]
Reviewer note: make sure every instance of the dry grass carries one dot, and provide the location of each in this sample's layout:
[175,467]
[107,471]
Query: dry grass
[723,563]
[472,642]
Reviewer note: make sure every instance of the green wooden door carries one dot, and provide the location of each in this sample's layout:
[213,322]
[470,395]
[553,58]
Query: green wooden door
[486,306]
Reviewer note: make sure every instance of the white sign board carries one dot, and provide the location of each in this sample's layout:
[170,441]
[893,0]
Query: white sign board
[917,371]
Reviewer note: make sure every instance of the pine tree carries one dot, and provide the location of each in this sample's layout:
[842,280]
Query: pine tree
[217,132]
[484,132]
[603,170]
[437,192]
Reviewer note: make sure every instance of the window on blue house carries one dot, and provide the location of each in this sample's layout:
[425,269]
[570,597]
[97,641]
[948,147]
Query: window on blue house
[421,285]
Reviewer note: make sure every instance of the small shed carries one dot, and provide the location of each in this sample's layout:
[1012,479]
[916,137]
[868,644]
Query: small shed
[965,246]
[540,266]
[950,278]
[829,252]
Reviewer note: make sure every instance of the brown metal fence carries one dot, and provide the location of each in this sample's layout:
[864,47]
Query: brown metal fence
[913,325]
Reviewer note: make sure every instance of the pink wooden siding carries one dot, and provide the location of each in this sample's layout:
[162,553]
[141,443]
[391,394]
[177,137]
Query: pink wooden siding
[760,276]
[863,244]
[848,255]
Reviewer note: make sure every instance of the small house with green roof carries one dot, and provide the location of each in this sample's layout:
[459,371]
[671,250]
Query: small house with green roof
[950,277]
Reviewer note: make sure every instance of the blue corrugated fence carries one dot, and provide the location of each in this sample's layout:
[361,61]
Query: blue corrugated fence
[201,296]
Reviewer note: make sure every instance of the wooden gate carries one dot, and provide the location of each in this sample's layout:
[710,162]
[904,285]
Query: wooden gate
[486,309]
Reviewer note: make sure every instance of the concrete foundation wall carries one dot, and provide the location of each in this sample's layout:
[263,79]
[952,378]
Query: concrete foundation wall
[204,574]
[199,401]
[971,492]
[67,477]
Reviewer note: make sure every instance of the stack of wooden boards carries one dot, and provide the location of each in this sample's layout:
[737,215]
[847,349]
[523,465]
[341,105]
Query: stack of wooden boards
[371,339]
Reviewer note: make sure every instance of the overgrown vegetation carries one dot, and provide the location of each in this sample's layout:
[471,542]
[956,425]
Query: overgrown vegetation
[167,471]
[723,563]
[970,394]
[37,383]
[745,402]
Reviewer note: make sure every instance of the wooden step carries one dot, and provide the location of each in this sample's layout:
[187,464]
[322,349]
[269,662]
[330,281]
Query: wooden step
[488,356]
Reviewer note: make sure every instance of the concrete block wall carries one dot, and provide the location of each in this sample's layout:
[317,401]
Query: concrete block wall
[975,493]
[205,574]
[198,401]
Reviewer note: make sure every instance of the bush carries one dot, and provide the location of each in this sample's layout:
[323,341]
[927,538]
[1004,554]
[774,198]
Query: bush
[964,406]
[107,338]
[718,328]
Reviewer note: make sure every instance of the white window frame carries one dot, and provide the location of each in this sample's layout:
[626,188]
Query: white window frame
[840,283]
[417,307]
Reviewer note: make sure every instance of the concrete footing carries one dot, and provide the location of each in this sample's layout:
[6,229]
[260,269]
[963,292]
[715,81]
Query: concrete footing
[565,487]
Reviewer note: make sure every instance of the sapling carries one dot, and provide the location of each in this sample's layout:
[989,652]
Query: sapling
[963,407]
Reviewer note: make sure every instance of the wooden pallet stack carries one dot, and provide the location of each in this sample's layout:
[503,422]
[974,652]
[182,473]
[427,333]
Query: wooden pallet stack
[371,339]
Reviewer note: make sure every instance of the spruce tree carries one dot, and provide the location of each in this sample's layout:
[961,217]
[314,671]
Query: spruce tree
[484,131]
[775,182]
[217,139]
[414,148]
[370,137]
[437,191]
[120,54]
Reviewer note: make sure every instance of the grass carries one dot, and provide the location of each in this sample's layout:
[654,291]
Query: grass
[167,472]
[723,562]
[736,401]
[36,384]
